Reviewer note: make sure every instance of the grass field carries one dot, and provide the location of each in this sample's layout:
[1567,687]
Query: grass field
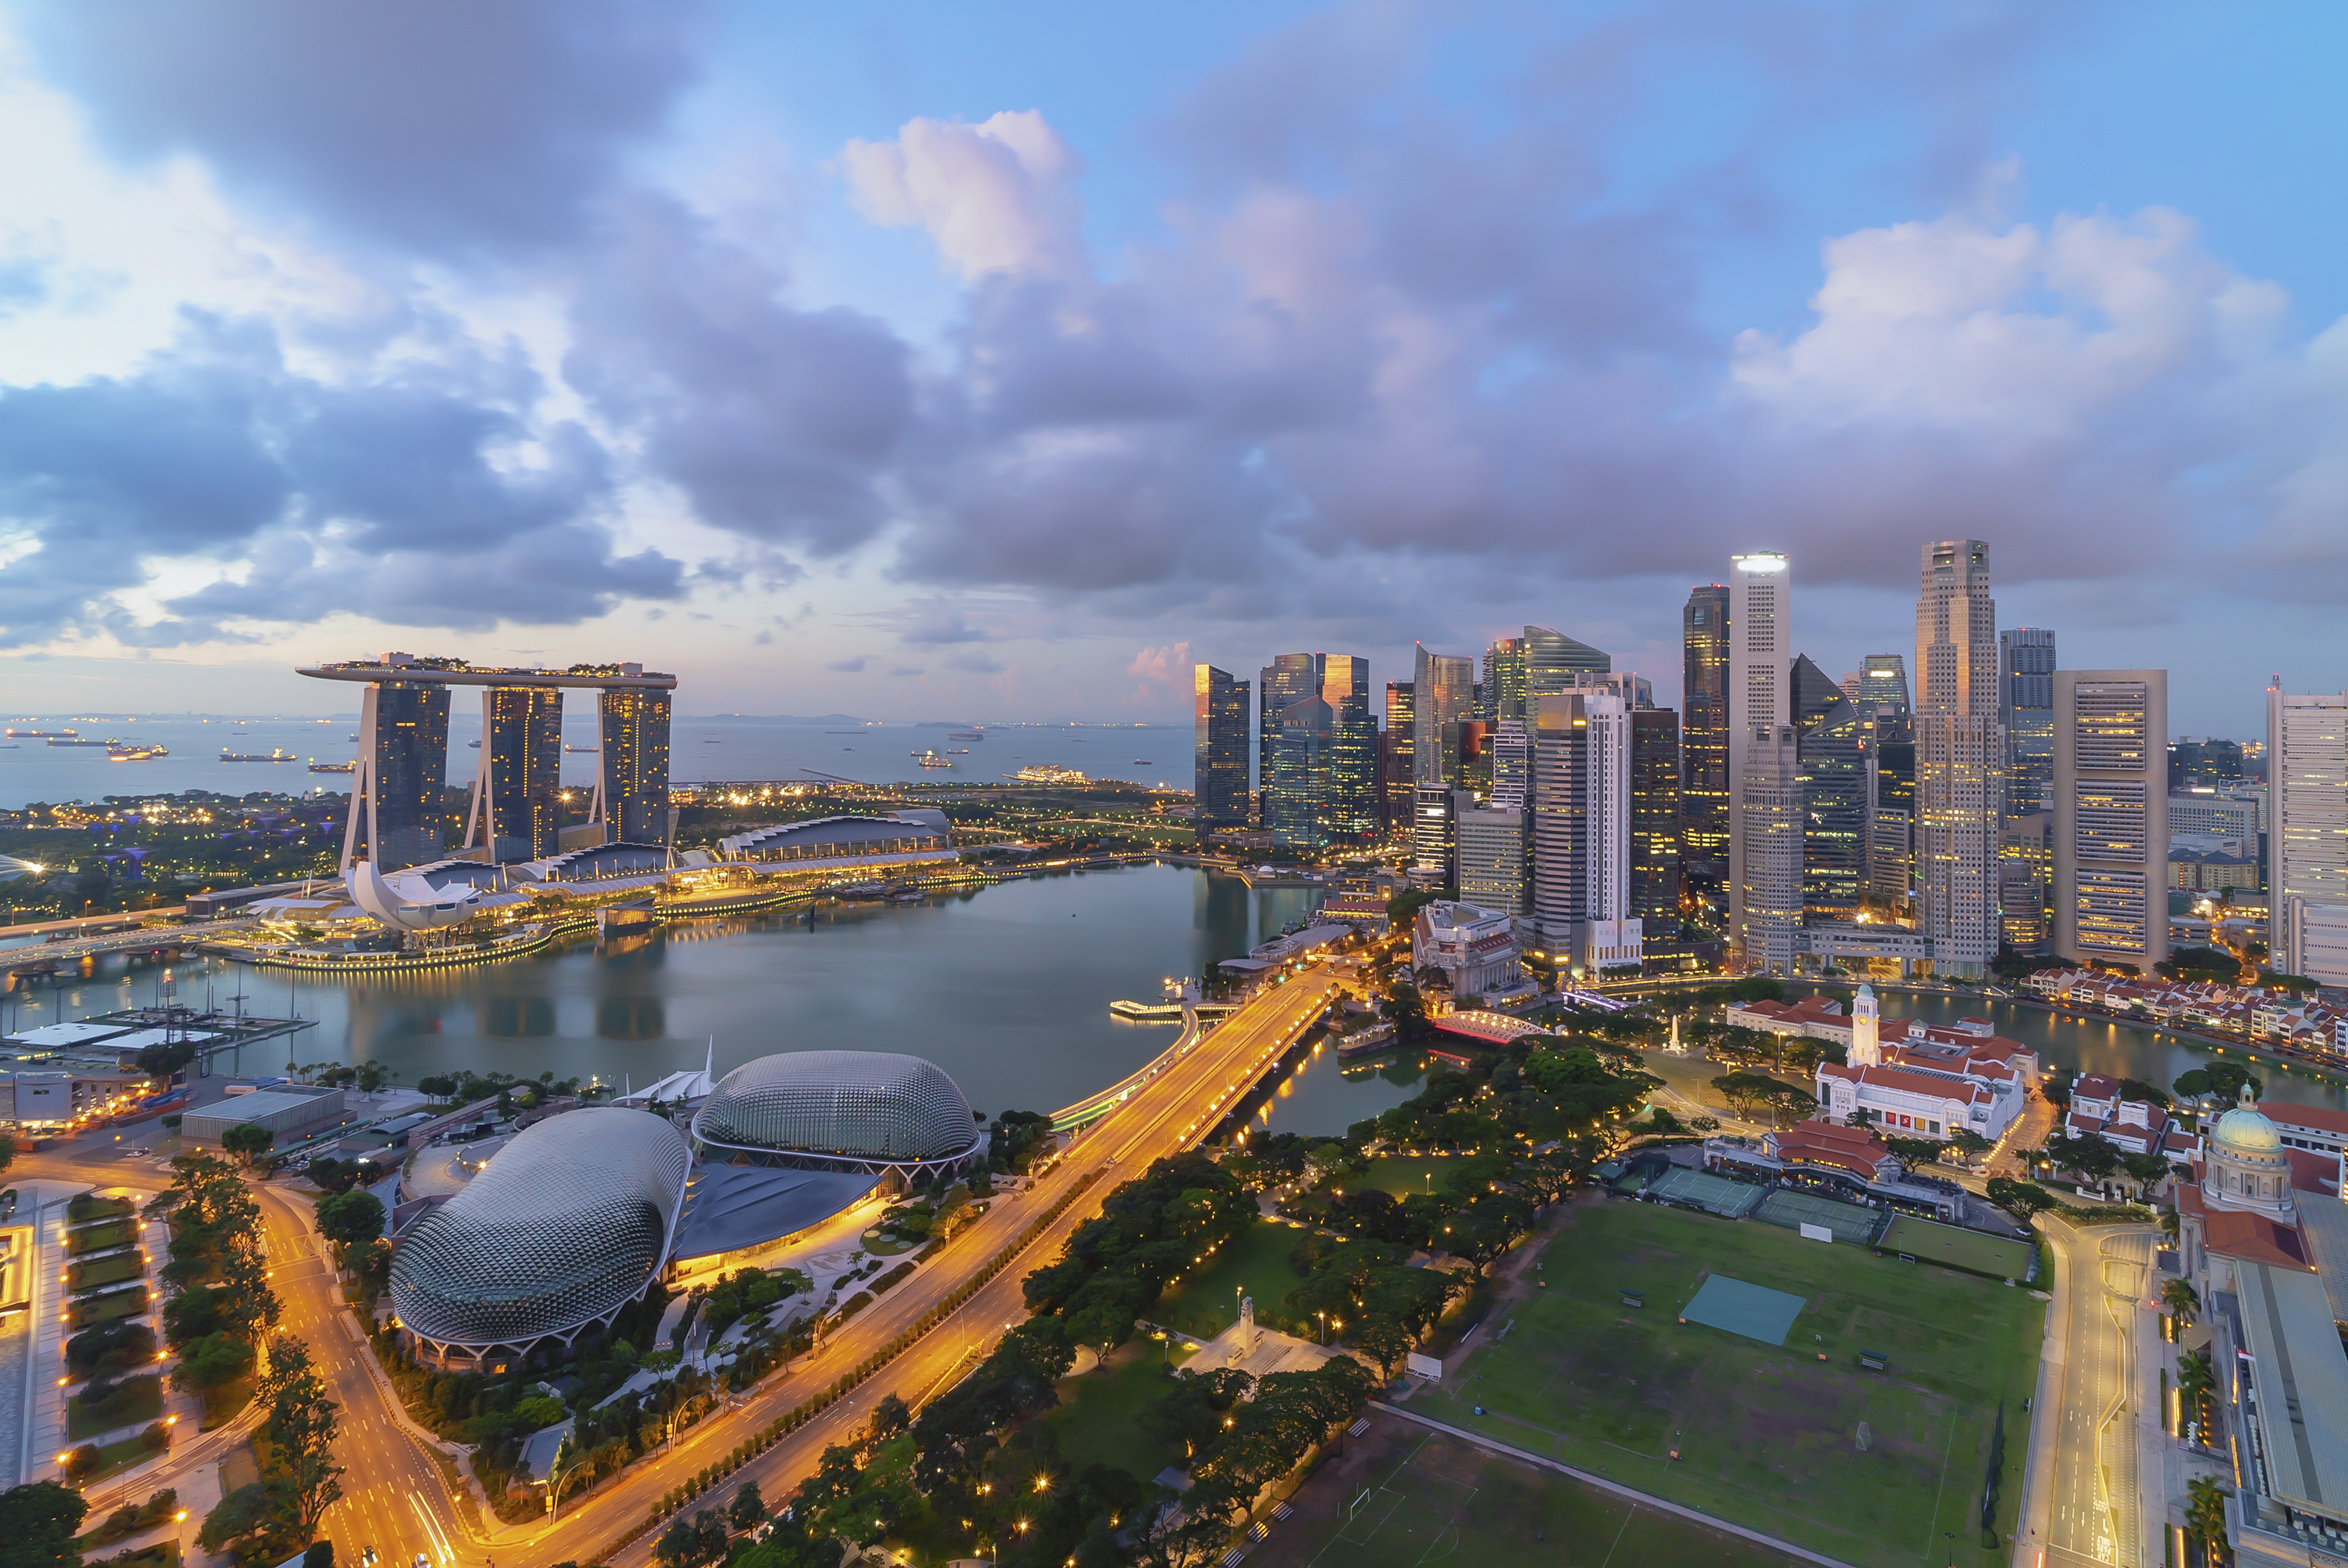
[112,1270]
[98,1238]
[1095,1421]
[1930,1243]
[1207,1302]
[135,1401]
[1426,1498]
[1769,1438]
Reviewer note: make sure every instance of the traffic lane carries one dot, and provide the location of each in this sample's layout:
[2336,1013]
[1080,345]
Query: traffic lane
[1168,1125]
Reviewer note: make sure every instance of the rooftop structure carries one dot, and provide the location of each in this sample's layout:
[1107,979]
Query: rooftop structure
[873,1111]
[838,837]
[569,1223]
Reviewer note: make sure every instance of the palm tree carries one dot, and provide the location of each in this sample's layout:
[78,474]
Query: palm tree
[2182,1300]
[2204,1516]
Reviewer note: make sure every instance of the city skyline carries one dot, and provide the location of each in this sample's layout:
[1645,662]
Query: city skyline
[549,383]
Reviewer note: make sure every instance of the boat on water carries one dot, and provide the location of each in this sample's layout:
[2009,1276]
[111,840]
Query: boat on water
[475,744]
[1143,762]
[135,754]
[110,744]
[584,751]
[333,767]
[1048,773]
[276,755]
[932,760]
[967,735]
[42,735]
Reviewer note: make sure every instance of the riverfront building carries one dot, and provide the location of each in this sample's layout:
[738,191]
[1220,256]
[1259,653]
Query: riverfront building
[1219,714]
[1922,1081]
[1474,949]
[632,765]
[873,1112]
[2111,815]
[517,807]
[1959,757]
[2307,831]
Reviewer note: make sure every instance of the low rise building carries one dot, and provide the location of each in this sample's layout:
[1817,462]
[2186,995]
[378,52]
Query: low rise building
[290,1114]
[1475,947]
[1812,1017]
[1927,1080]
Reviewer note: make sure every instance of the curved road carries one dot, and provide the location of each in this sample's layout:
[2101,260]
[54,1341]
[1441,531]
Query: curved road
[397,1500]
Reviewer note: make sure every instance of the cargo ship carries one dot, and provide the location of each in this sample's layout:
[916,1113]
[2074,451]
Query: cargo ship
[276,755]
[135,754]
[967,735]
[42,735]
[333,767]
[932,760]
[110,743]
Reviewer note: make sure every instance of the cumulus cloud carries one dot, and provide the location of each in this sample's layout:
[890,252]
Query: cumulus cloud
[849,666]
[434,125]
[1169,666]
[996,197]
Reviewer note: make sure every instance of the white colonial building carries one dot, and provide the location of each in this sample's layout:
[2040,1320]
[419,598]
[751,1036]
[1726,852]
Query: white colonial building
[1475,947]
[1925,1080]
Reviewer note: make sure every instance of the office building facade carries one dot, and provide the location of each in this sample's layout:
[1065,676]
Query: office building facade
[1287,680]
[1397,774]
[1883,696]
[398,818]
[517,807]
[2025,883]
[1833,741]
[1959,757]
[1560,820]
[2307,832]
[631,765]
[1218,716]
[1891,826]
[1443,697]
[1297,809]
[2025,695]
[1705,632]
[1769,801]
[1656,849]
[1609,938]
[1492,853]
[2111,815]
[1760,653]
[1351,810]
[1555,663]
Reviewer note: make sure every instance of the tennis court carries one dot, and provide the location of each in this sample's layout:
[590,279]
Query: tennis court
[1754,1311]
[1851,1223]
[1931,1242]
[1716,1195]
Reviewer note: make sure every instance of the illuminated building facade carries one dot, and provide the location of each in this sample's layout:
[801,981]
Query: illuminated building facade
[1959,758]
[2307,831]
[1704,741]
[517,807]
[2111,815]
[2025,695]
[398,818]
[1218,710]
[631,766]
[1760,653]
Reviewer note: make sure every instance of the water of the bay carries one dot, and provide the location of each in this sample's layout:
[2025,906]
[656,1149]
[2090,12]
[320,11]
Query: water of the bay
[1007,986]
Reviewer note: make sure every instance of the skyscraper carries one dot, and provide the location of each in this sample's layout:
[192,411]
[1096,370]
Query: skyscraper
[1287,680]
[1610,936]
[1883,688]
[2111,815]
[632,762]
[1442,697]
[1655,823]
[1833,739]
[517,807]
[2025,883]
[1553,662]
[2025,695]
[1490,852]
[1218,716]
[1300,796]
[1959,757]
[1397,775]
[397,816]
[1769,804]
[1891,822]
[1350,814]
[2307,832]
[1760,650]
[1560,825]
[1704,742]
[1511,749]
[1503,687]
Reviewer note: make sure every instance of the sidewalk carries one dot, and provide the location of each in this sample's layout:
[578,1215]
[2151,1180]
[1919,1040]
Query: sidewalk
[2030,1532]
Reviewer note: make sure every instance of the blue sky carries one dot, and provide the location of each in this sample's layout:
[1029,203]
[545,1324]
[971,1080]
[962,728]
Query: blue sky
[920,360]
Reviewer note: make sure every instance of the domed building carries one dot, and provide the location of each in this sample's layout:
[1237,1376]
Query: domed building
[567,1225]
[2245,1167]
[869,1111]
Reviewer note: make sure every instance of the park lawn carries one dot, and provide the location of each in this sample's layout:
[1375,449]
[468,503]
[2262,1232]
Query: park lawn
[1401,1174]
[1447,1500]
[1927,1242]
[86,1206]
[1206,1302]
[120,1456]
[1768,1435]
[105,1271]
[96,1309]
[1096,1421]
[137,1401]
[98,1238]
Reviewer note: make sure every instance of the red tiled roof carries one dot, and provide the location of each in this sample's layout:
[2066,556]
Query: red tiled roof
[2321,1118]
[1904,1082]
[2313,1173]
[2095,1086]
[2256,1238]
[1817,1143]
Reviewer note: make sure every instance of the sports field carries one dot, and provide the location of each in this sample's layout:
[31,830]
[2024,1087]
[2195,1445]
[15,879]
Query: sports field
[1932,1243]
[1874,1468]
[1418,1498]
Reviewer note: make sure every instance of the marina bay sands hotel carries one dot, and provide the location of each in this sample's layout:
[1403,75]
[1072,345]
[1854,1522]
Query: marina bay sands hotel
[397,818]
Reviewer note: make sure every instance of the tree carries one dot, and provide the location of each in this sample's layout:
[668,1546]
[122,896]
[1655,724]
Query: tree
[1382,1339]
[246,1139]
[248,1511]
[2182,1300]
[2146,1171]
[213,1361]
[7,1151]
[1969,1144]
[83,1462]
[2022,1200]
[350,1219]
[320,1554]
[749,1510]
[2205,1516]
[1405,1009]
[38,1523]
[302,1424]
[2217,1081]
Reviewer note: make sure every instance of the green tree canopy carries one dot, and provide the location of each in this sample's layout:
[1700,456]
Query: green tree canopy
[38,1523]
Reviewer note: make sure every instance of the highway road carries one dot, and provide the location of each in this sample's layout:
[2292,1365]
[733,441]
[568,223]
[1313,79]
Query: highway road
[2089,1513]
[397,1500]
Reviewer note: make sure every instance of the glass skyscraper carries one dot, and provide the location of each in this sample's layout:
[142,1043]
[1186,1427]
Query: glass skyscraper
[1832,738]
[517,813]
[1287,680]
[1220,718]
[1350,812]
[1397,776]
[631,766]
[2025,695]
[402,761]
[1656,819]
[1704,734]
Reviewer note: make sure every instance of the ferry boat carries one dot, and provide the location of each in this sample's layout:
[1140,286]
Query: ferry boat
[1048,773]
[276,755]
[333,767]
[135,754]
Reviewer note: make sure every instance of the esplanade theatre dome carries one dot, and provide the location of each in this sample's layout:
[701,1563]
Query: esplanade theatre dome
[567,1225]
[838,1110]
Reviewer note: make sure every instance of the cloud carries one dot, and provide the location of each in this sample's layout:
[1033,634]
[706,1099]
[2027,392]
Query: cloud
[1168,667]
[995,196]
[904,670]
[925,631]
[849,666]
[976,663]
[432,126]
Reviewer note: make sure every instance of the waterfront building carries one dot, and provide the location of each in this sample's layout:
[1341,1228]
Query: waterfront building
[2307,832]
[1397,777]
[1760,651]
[1287,680]
[1925,1081]
[1656,850]
[1219,716]
[896,1117]
[2111,815]
[1297,805]
[516,806]
[2025,695]
[1834,746]
[1349,810]
[632,763]
[571,1222]
[1959,757]
[1704,632]
[1474,949]
[2025,883]
[919,832]
[1442,700]
[1769,831]
[1490,852]
[398,818]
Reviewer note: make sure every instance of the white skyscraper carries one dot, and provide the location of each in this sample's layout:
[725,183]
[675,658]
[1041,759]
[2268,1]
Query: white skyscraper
[1770,816]
[1760,652]
[1959,758]
[2307,832]
[1608,936]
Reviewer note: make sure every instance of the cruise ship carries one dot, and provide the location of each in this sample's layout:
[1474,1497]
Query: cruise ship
[1048,773]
